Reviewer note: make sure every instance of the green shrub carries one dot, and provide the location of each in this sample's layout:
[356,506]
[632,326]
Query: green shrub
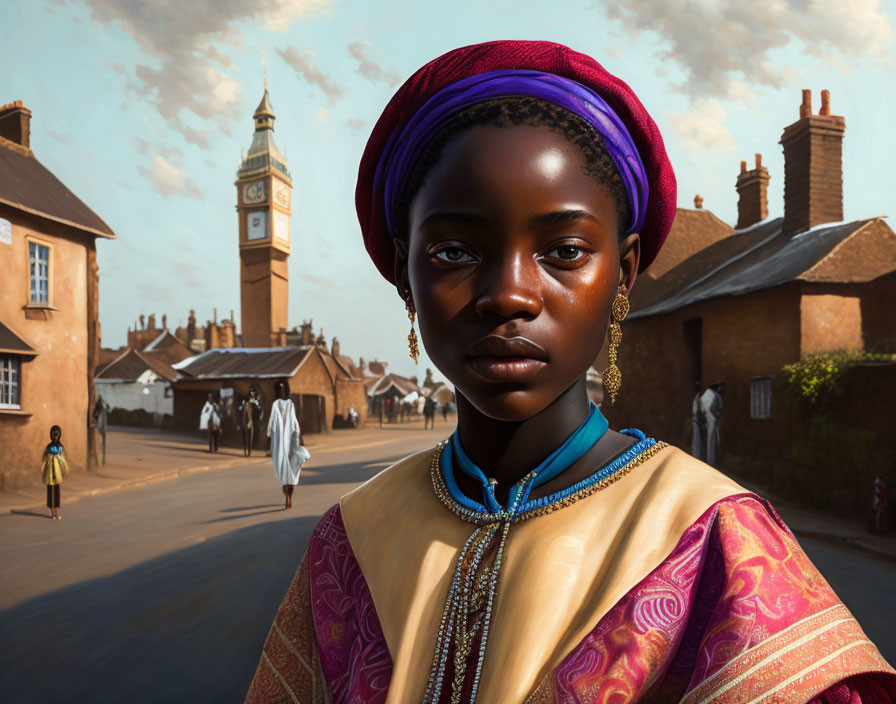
[817,379]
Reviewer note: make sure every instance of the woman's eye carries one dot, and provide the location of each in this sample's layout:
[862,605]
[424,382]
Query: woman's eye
[567,252]
[454,255]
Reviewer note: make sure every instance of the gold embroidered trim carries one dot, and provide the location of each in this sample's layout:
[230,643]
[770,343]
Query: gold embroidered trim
[441,489]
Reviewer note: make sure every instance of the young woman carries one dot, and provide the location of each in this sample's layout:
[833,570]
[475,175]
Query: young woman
[287,450]
[54,469]
[512,191]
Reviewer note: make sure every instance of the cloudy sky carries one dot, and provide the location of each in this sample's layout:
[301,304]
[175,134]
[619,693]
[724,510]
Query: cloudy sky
[142,108]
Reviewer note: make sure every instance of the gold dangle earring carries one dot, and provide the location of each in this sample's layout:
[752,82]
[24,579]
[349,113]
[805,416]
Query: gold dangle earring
[413,349]
[612,377]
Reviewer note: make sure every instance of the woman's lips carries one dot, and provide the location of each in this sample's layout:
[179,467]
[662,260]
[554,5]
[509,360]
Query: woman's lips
[506,368]
[506,358]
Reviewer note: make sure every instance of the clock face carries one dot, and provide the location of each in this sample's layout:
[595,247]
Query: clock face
[254,192]
[281,226]
[281,193]
[257,225]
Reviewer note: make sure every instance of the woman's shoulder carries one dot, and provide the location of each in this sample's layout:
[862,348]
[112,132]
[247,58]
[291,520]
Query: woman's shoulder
[395,481]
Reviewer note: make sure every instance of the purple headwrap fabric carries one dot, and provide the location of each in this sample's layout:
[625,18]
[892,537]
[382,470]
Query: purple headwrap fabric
[404,147]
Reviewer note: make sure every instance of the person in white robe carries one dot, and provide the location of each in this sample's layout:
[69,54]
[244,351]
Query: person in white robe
[287,451]
[698,425]
[210,420]
[711,406]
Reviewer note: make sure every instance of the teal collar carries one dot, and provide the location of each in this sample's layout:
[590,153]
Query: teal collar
[571,451]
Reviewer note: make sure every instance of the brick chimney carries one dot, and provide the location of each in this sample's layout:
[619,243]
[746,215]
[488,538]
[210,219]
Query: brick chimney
[15,123]
[752,194]
[813,167]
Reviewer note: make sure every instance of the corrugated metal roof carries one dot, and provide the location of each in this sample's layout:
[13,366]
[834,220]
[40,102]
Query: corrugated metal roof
[401,384]
[28,185]
[243,363]
[755,259]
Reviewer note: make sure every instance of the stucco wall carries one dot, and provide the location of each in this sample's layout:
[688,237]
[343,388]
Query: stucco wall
[133,396]
[54,387]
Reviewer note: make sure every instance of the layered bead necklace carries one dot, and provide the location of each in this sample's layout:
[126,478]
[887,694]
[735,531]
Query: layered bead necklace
[466,617]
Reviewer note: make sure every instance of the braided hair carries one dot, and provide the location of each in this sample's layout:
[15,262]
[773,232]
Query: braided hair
[520,111]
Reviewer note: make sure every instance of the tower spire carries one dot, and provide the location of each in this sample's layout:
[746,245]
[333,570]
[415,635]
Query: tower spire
[264,70]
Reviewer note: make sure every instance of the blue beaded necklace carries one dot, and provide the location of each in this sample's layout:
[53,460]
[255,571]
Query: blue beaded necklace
[571,451]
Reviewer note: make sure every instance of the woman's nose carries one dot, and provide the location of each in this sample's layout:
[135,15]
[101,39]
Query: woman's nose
[510,289]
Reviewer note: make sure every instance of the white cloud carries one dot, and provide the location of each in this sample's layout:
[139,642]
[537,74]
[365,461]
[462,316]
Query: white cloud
[356,123]
[185,49]
[321,113]
[61,137]
[703,126]
[305,65]
[168,180]
[372,71]
[717,42]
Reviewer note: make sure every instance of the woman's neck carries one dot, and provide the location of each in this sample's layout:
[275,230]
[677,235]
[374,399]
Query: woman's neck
[507,450]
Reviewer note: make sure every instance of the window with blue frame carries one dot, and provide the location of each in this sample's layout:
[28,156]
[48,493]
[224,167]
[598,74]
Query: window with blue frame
[39,259]
[10,381]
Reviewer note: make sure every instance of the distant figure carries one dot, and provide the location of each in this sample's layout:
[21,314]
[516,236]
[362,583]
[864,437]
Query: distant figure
[354,420]
[880,507]
[445,409]
[698,423]
[711,406]
[210,420]
[54,469]
[251,414]
[287,450]
[429,414]
[101,418]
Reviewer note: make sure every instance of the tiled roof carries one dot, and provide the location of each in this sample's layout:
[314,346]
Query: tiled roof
[28,185]
[763,257]
[10,342]
[168,348]
[131,364]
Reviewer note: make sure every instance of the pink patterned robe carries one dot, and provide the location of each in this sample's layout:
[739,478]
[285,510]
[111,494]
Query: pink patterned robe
[735,613]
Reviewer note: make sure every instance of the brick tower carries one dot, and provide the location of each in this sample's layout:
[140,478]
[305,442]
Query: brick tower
[264,194]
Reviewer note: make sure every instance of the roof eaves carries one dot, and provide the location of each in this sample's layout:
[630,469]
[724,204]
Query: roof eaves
[110,235]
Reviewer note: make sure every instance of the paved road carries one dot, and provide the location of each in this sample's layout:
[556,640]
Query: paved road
[165,593]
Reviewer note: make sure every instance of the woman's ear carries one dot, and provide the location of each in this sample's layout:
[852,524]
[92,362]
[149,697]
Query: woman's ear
[629,259]
[402,280]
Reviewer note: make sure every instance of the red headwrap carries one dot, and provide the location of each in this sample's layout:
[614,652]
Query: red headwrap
[502,55]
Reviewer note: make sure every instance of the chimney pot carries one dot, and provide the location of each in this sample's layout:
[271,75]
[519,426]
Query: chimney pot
[743,167]
[813,172]
[759,161]
[15,123]
[752,195]
[806,107]
[698,201]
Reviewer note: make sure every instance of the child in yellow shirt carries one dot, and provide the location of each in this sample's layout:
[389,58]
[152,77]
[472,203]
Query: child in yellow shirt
[54,470]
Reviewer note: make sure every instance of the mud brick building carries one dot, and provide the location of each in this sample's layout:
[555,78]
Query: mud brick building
[49,328]
[320,386]
[735,305]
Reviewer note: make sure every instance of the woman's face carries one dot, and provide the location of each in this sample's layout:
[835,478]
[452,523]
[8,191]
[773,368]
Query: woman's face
[512,261]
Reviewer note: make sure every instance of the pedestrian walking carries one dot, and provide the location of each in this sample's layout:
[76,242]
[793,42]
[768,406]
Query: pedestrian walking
[711,408]
[445,409]
[210,420]
[54,469]
[698,425]
[287,450]
[429,414]
[251,414]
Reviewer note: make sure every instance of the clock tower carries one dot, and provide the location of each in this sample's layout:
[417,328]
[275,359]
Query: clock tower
[264,195]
